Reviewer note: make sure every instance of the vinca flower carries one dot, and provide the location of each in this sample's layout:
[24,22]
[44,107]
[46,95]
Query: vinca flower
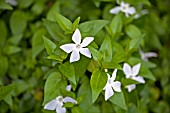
[111,84]
[78,47]
[57,104]
[124,7]
[132,73]
[147,55]
[142,12]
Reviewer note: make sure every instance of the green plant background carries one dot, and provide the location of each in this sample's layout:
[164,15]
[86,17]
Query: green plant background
[24,66]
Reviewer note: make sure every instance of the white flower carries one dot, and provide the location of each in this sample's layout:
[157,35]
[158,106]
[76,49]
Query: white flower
[133,74]
[59,102]
[142,12]
[12,2]
[130,87]
[111,84]
[78,46]
[124,7]
[147,55]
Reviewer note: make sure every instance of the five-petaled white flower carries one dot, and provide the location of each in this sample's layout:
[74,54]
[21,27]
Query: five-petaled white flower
[124,7]
[59,102]
[147,55]
[133,74]
[111,84]
[78,46]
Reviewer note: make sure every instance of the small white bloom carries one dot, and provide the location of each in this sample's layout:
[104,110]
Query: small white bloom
[124,7]
[12,2]
[78,47]
[147,55]
[143,12]
[110,85]
[130,87]
[68,88]
[133,74]
[59,102]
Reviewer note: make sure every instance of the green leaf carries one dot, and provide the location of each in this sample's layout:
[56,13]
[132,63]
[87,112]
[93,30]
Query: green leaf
[75,24]
[116,24]
[54,30]
[15,40]
[92,66]
[64,23]
[136,2]
[119,57]
[111,65]
[98,81]
[76,109]
[145,72]
[5,6]
[106,49]
[67,70]
[128,81]
[3,65]
[91,28]
[145,64]
[5,90]
[135,43]
[53,10]
[20,86]
[3,30]
[53,85]
[97,56]
[119,100]
[133,32]
[81,66]
[37,42]
[24,3]
[8,100]
[11,49]
[49,45]
[18,22]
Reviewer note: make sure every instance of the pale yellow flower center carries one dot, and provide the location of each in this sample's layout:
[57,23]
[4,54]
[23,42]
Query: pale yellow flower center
[78,46]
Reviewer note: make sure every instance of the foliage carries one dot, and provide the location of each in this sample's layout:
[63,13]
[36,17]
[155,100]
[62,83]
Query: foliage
[34,69]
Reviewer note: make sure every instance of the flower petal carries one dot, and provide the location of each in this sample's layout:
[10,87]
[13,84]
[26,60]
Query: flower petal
[85,52]
[115,10]
[68,47]
[69,99]
[51,105]
[135,69]
[87,41]
[76,36]
[114,75]
[116,86]
[139,79]
[108,76]
[68,88]
[132,10]
[127,15]
[75,56]
[131,87]
[60,109]
[150,54]
[127,70]
[108,92]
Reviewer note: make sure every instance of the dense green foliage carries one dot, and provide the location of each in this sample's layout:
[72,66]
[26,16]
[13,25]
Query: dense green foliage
[35,70]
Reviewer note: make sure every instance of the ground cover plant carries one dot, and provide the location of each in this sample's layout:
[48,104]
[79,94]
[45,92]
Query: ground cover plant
[84,56]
